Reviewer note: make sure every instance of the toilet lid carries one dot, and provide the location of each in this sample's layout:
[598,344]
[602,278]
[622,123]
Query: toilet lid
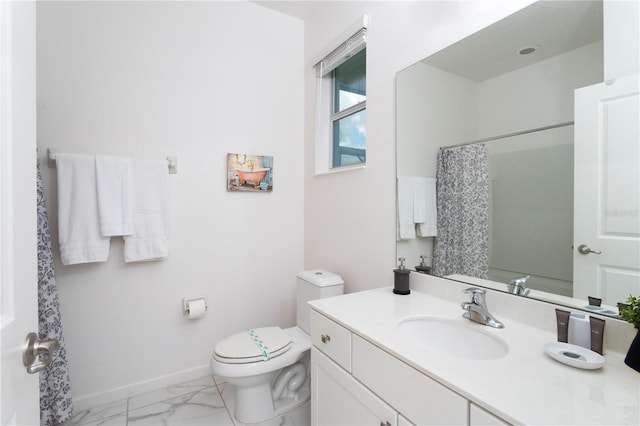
[258,344]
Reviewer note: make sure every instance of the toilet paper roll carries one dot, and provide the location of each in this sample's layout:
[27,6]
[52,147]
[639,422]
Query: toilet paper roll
[196,308]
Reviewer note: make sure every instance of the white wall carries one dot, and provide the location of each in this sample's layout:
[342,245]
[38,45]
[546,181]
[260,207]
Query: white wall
[621,38]
[350,217]
[434,108]
[194,80]
[189,79]
[537,95]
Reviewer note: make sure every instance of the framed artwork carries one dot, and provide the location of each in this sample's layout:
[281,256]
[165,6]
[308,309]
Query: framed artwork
[252,173]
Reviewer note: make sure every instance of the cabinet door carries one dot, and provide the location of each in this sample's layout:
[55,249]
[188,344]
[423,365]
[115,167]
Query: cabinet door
[419,398]
[480,417]
[338,399]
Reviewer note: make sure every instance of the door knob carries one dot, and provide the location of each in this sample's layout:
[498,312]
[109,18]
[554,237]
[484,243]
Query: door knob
[584,249]
[34,347]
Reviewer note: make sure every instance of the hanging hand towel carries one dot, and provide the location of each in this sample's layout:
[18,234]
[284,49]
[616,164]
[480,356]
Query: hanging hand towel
[115,195]
[149,239]
[425,201]
[78,229]
[406,224]
[419,201]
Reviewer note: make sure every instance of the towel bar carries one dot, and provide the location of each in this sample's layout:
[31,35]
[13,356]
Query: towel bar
[52,152]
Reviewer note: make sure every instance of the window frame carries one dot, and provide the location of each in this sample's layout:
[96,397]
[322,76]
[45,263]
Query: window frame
[327,146]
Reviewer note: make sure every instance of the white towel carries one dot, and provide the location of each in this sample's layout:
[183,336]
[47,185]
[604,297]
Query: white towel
[419,201]
[149,239]
[406,224]
[425,211]
[78,229]
[115,195]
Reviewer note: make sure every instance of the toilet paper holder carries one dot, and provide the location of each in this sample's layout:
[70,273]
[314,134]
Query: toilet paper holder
[187,300]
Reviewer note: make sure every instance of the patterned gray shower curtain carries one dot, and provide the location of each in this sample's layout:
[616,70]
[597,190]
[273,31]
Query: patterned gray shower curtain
[55,389]
[463,212]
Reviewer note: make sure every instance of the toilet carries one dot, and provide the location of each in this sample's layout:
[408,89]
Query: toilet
[268,367]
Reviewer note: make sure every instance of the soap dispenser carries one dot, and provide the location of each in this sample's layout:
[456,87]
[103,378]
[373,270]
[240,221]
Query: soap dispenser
[401,280]
[423,267]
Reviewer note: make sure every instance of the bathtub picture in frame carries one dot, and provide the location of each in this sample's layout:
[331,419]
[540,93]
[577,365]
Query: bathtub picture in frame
[249,173]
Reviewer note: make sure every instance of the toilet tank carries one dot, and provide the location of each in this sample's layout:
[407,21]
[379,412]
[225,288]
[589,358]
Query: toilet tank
[315,284]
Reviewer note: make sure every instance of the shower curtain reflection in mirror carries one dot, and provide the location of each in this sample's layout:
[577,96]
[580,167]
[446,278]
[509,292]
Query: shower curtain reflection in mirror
[505,210]
[463,212]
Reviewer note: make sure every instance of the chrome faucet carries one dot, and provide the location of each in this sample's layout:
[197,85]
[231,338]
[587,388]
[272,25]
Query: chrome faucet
[476,308]
[519,286]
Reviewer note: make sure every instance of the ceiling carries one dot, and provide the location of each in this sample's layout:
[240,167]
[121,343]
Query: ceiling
[297,9]
[554,26]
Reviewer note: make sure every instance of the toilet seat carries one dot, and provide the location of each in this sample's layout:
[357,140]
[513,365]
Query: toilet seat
[254,345]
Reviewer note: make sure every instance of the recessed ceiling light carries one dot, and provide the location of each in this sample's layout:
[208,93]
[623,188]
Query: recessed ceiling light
[527,50]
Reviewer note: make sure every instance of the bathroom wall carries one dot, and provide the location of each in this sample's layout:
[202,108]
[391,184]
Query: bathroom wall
[196,80]
[547,87]
[350,217]
[439,109]
[621,38]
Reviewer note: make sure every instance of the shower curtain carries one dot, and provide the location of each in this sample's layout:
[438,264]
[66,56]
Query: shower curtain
[463,212]
[55,389]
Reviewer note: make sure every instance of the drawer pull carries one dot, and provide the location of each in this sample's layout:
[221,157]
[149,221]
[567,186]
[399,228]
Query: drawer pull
[325,338]
[385,423]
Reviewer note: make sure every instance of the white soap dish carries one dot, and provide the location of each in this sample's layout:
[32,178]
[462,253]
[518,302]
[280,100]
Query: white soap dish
[574,355]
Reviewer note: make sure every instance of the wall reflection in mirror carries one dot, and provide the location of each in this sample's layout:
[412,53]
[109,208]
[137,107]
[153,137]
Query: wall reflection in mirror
[510,90]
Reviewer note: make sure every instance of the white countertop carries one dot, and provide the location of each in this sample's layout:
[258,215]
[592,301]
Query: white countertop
[525,386]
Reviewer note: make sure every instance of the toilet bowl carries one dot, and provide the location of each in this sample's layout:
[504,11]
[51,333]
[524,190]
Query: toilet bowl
[268,368]
[263,389]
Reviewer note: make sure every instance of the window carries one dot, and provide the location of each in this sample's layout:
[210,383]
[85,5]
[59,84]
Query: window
[342,95]
[349,111]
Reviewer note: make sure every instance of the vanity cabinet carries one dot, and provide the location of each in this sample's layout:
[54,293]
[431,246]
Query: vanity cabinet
[354,382]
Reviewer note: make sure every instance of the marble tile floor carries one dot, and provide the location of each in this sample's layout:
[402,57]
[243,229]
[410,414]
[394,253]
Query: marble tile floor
[201,402]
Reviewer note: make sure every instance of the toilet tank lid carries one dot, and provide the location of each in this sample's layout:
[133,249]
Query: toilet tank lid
[320,278]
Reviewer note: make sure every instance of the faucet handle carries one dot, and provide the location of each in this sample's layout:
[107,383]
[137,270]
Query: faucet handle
[477,294]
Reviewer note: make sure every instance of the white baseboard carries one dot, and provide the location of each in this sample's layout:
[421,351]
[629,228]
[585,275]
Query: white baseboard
[124,392]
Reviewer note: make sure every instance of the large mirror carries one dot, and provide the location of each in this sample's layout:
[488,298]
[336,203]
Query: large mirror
[510,89]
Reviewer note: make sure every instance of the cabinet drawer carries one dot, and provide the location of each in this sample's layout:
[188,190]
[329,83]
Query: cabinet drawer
[480,417]
[332,339]
[419,398]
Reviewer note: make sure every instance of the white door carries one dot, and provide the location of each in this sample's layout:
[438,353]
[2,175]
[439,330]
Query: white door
[606,260]
[18,255]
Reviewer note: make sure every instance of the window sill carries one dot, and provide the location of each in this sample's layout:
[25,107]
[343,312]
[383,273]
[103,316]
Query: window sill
[341,170]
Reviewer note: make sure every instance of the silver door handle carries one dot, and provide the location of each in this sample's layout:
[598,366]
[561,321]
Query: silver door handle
[34,347]
[584,249]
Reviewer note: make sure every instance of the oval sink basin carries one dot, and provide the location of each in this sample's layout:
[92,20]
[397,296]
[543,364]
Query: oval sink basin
[452,338]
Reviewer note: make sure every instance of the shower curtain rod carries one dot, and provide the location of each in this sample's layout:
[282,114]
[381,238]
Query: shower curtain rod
[523,132]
